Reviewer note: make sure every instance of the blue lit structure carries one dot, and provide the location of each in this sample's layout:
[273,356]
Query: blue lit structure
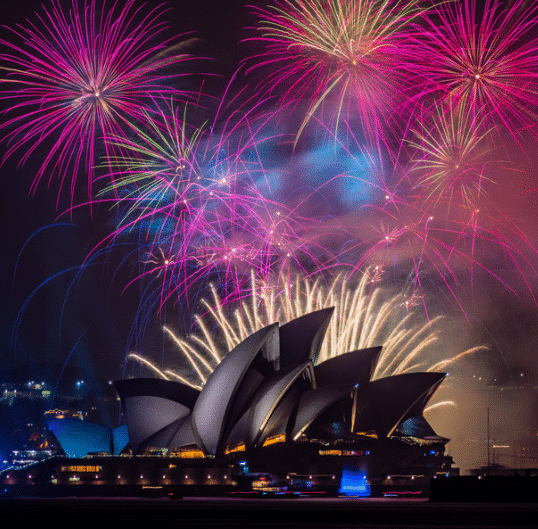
[80,438]
[354,482]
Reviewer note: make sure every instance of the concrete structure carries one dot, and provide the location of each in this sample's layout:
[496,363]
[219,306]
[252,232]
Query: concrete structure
[79,438]
[269,387]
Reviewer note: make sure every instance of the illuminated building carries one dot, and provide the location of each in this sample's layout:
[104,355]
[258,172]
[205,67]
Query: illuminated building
[270,404]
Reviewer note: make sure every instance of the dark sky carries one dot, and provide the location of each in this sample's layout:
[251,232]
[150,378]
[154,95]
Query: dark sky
[94,310]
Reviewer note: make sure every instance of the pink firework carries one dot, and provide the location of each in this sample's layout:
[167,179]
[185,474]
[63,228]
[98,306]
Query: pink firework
[447,252]
[340,57]
[483,57]
[441,216]
[75,77]
[200,205]
[451,158]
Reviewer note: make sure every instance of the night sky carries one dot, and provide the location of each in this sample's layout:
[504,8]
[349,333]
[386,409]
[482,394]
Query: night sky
[87,324]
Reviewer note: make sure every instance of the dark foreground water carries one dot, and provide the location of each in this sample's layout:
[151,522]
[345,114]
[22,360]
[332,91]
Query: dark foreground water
[264,513]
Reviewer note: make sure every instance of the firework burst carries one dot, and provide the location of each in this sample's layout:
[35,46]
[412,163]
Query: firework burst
[74,77]
[482,57]
[452,156]
[201,205]
[366,315]
[343,57]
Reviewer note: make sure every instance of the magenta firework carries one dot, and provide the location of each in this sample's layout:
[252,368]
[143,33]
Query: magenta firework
[482,56]
[200,203]
[451,158]
[78,73]
[401,109]
[344,59]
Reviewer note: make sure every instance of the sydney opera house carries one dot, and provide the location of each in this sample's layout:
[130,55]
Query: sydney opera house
[271,407]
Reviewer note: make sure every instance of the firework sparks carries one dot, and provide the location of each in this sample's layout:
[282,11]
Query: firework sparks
[482,57]
[453,156]
[166,374]
[451,250]
[79,75]
[365,316]
[437,216]
[202,205]
[343,57]
[198,205]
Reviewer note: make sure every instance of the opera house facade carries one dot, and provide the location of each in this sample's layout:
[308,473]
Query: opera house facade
[269,405]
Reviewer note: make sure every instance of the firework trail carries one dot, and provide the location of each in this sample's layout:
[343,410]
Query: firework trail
[76,76]
[435,216]
[200,206]
[366,315]
[482,57]
[450,252]
[455,172]
[343,57]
